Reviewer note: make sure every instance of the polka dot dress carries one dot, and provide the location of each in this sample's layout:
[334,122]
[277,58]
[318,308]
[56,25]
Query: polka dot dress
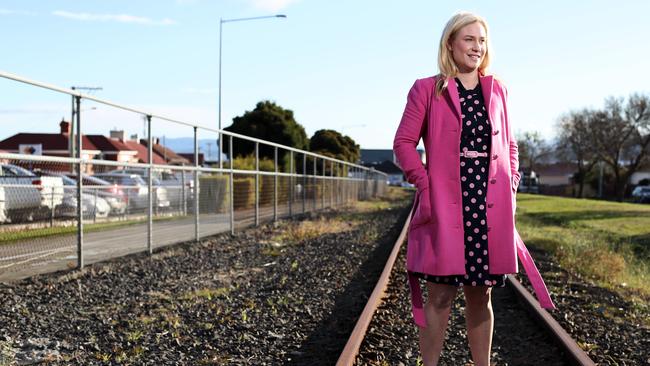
[475,136]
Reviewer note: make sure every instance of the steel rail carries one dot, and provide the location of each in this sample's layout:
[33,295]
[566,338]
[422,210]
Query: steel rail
[574,354]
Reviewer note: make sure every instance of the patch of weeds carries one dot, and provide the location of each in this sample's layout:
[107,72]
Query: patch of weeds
[134,335]
[298,232]
[206,293]
[7,354]
[101,356]
[244,316]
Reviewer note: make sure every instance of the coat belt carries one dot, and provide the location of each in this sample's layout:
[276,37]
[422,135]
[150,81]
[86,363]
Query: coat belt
[529,266]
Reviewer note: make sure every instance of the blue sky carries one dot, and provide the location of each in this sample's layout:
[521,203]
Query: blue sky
[345,65]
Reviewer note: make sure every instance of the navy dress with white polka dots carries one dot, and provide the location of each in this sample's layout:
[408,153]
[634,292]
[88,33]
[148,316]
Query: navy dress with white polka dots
[475,136]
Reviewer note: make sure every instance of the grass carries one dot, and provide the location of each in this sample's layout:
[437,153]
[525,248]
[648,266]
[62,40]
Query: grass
[606,242]
[8,237]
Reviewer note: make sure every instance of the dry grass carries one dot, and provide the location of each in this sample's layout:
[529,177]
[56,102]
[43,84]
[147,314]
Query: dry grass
[297,232]
[606,242]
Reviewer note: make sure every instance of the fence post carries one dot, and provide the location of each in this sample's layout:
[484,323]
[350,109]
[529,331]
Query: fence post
[52,208]
[304,181]
[232,188]
[95,208]
[275,184]
[314,185]
[257,183]
[196,185]
[80,223]
[183,203]
[291,183]
[331,183]
[323,180]
[150,185]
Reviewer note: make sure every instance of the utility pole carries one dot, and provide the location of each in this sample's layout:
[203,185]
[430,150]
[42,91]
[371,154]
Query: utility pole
[71,139]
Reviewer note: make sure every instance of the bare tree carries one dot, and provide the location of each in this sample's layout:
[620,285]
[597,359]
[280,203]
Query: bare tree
[532,150]
[574,144]
[621,135]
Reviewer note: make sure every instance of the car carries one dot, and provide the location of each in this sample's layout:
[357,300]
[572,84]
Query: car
[93,206]
[176,183]
[111,192]
[527,185]
[25,196]
[137,190]
[641,194]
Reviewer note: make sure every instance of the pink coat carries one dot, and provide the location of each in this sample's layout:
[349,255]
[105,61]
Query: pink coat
[436,234]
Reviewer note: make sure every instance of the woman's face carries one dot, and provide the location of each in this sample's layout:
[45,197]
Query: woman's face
[469,46]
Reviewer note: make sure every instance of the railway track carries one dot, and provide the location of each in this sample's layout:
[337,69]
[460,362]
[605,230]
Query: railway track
[524,334]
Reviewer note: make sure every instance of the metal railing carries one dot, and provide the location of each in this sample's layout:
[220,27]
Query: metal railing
[47,226]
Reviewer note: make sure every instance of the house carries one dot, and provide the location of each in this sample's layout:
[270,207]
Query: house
[385,161]
[113,148]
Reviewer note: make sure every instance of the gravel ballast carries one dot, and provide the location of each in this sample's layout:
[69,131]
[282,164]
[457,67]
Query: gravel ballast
[246,299]
[610,329]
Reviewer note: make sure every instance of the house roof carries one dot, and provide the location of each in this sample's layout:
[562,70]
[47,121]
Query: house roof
[555,169]
[104,143]
[386,166]
[143,152]
[50,141]
[169,155]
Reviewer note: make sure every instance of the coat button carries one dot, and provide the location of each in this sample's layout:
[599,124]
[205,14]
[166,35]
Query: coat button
[490,205]
[495,156]
[495,132]
[493,181]
[489,228]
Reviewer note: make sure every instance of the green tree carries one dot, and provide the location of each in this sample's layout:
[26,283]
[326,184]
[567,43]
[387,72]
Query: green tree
[271,122]
[334,144]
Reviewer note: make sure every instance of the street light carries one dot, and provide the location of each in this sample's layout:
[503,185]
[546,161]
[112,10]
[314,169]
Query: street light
[221,21]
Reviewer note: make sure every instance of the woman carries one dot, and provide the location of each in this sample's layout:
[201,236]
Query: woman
[462,229]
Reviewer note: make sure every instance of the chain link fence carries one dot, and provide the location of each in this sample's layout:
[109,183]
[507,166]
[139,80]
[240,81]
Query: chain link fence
[62,212]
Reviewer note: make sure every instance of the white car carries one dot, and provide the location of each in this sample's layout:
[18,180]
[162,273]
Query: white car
[23,195]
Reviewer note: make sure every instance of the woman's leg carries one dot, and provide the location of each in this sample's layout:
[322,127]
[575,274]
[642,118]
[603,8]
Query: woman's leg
[480,322]
[437,308]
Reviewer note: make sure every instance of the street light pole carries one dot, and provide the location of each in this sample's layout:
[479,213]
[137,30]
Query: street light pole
[221,21]
[71,140]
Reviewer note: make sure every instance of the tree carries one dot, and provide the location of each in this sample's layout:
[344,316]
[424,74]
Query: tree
[271,122]
[621,135]
[532,150]
[334,144]
[574,144]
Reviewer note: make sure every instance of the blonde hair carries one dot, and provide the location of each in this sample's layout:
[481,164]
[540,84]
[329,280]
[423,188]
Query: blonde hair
[446,62]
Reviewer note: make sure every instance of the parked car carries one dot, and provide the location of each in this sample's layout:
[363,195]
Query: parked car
[92,205]
[641,194]
[111,192]
[25,196]
[527,185]
[137,189]
[132,184]
[175,184]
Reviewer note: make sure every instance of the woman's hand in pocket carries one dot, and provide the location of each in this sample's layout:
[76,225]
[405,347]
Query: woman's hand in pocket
[422,212]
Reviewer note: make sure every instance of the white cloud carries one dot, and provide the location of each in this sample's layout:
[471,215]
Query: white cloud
[272,5]
[120,18]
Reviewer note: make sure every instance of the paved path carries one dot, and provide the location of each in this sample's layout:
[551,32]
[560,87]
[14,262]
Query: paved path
[44,255]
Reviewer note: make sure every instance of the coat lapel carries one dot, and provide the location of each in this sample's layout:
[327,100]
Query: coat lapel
[486,88]
[452,94]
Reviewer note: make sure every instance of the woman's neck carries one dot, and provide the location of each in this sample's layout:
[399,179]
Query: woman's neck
[469,79]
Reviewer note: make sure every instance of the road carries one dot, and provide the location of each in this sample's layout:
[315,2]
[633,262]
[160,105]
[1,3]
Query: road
[30,257]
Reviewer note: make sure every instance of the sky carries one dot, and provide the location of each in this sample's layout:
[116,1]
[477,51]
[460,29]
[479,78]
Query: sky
[343,65]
